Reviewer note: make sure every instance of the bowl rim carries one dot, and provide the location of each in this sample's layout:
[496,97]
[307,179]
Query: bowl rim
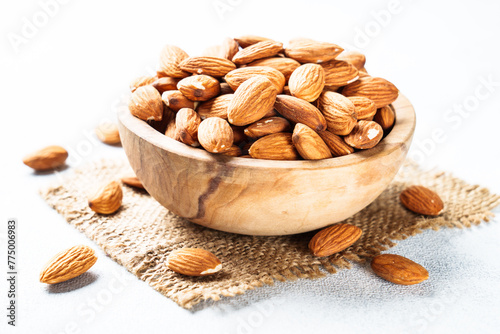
[398,138]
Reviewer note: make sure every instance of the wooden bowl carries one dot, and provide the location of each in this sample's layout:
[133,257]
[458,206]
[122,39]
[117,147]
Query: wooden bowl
[263,197]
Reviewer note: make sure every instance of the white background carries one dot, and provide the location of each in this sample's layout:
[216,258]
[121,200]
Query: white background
[69,75]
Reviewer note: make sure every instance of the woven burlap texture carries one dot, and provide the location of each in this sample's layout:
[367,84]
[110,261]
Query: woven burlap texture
[142,233]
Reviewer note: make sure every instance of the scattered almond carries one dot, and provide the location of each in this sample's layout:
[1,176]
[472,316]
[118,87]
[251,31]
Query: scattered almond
[334,239]
[107,199]
[68,264]
[193,262]
[132,181]
[422,200]
[398,269]
[47,158]
[108,133]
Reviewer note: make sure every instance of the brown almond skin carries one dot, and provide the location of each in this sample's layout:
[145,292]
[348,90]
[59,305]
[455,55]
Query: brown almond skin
[171,130]
[108,133]
[365,108]
[299,111]
[339,73]
[215,135]
[107,199]
[336,144]
[398,269]
[334,239]
[422,200]
[309,51]
[199,87]
[309,144]
[379,90]
[132,181]
[225,89]
[216,107]
[278,146]
[175,100]
[365,135]
[141,81]
[68,264]
[307,82]
[247,40]
[170,58]
[164,84]
[237,77]
[256,51]
[238,134]
[234,151]
[251,101]
[339,112]
[385,117]
[47,158]
[213,66]
[355,58]
[145,103]
[229,48]
[187,122]
[267,126]
[285,65]
[193,262]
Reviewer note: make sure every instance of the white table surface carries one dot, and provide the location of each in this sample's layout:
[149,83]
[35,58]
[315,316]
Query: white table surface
[68,75]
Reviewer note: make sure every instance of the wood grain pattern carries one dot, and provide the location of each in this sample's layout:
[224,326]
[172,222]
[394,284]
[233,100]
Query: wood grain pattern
[263,197]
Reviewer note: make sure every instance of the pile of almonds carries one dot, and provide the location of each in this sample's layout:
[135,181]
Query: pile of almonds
[251,97]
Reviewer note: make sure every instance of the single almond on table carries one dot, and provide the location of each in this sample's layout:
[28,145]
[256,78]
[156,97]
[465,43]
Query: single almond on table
[237,77]
[256,51]
[355,58]
[234,151]
[175,100]
[339,112]
[309,51]
[307,82]
[215,135]
[299,111]
[68,264]
[365,108]
[336,144]
[285,65]
[247,40]
[379,90]
[164,84]
[398,269]
[193,262]
[146,104]
[108,133]
[422,200]
[187,122]
[309,144]
[213,66]
[251,101]
[170,58]
[339,73]
[365,135]
[385,117]
[216,107]
[132,181]
[267,126]
[107,199]
[278,146]
[199,87]
[334,239]
[141,81]
[47,158]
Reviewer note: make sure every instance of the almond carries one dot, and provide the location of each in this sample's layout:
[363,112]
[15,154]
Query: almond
[267,126]
[132,181]
[199,87]
[164,84]
[366,134]
[245,41]
[108,133]
[175,100]
[141,81]
[229,48]
[379,90]
[336,144]
[285,65]
[225,88]
[216,107]
[385,117]
[234,151]
[278,146]
[299,111]
[365,108]
[421,200]
[145,103]
[257,51]
[339,112]
[171,130]
[398,269]
[334,239]
[107,199]
[355,58]
[215,135]
[193,262]
[339,73]
[215,67]
[309,144]
[251,101]
[307,82]
[237,77]
[68,264]
[309,51]
[170,58]
[47,158]
[187,122]
[238,134]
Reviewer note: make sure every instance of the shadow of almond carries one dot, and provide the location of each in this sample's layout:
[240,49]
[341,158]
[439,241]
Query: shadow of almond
[76,283]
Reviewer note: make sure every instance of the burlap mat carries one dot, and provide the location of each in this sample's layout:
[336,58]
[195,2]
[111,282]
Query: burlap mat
[142,233]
